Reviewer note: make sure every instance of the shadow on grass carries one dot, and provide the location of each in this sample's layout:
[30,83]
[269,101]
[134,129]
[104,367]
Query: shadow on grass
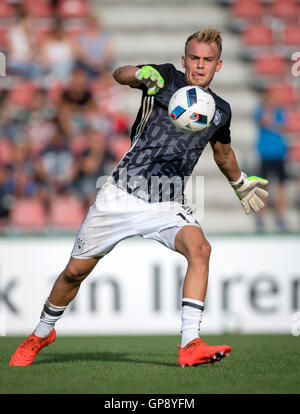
[99,357]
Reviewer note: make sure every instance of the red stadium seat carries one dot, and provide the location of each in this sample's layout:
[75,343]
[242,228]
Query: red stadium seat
[73,9]
[245,9]
[6,151]
[285,94]
[258,35]
[38,8]
[21,94]
[284,9]
[3,37]
[293,122]
[291,35]
[270,65]
[6,10]
[28,214]
[66,212]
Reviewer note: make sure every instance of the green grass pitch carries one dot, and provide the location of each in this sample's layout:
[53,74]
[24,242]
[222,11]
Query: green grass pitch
[259,364]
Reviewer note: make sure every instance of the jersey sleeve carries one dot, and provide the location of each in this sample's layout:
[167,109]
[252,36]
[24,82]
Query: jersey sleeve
[223,134]
[165,71]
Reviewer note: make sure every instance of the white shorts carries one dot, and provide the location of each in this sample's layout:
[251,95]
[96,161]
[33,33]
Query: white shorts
[116,215]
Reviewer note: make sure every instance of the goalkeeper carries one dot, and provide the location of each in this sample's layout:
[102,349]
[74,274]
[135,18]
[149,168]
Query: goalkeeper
[126,204]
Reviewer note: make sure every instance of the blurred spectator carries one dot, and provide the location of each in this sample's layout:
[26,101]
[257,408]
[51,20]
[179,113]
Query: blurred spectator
[13,121]
[55,167]
[58,54]
[61,121]
[95,49]
[41,123]
[77,107]
[93,162]
[22,48]
[16,182]
[6,191]
[23,182]
[272,149]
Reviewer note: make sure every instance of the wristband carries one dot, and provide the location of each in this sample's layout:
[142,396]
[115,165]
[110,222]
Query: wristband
[238,183]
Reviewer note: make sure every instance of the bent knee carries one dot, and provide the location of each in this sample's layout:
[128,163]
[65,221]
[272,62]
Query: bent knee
[199,251]
[78,269]
[73,275]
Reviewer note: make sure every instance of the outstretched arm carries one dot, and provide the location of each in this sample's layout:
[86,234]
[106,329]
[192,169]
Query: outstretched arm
[134,76]
[246,188]
[125,75]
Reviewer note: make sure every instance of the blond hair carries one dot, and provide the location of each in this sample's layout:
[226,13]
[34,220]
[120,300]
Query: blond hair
[209,35]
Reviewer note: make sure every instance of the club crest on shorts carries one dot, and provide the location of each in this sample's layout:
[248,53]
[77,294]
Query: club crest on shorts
[79,244]
[217,118]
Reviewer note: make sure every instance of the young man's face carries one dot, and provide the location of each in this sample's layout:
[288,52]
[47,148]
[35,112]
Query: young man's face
[201,62]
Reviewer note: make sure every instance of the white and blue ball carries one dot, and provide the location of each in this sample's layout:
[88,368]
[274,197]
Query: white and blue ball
[191,109]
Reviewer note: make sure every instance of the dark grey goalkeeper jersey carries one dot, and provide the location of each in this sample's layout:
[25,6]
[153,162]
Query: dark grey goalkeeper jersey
[162,157]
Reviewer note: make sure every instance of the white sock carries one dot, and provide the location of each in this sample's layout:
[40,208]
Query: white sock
[50,315]
[43,329]
[191,316]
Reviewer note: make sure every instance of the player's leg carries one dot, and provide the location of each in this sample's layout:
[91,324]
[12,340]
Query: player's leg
[92,242]
[68,282]
[191,243]
[63,292]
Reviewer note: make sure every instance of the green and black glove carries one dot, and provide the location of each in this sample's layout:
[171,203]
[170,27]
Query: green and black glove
[151,78]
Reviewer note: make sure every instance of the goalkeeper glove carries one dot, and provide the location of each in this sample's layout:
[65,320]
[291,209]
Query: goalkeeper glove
[247,190]
[151,78]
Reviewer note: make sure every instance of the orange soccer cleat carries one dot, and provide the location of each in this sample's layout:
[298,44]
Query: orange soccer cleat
[197,352]
[28,350]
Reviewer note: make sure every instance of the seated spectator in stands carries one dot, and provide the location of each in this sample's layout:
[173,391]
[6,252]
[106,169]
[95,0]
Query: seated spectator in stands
[6,191]
[272,150]
[41,123]
[23,182]
[16,181]
[93,162]
[22,49]
[95,53]
[58,54]
[55,166]
[41,107]
[77,105]
[13,121]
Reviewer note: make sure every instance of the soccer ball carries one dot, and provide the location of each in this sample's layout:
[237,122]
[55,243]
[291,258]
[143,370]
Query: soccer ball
[191,109]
